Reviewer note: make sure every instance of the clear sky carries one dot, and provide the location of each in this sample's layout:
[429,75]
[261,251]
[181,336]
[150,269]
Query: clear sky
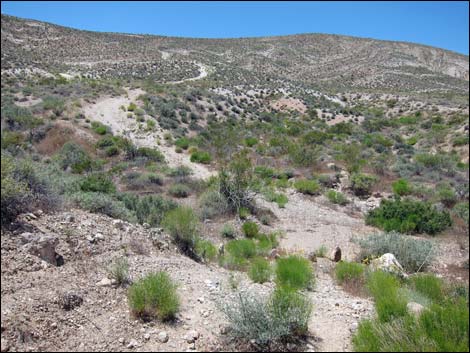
[442,24]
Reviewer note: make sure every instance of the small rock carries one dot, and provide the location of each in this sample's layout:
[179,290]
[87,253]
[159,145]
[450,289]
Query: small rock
[414,308]
[132,344]
[121,340]
[99,236]
[388,263]
[336,254]
[147,336]
[191,336]
[105,282]
[274,254]
[163,337]
[312,256]
[5,345]
[224,329]
[200,300]
[354,327]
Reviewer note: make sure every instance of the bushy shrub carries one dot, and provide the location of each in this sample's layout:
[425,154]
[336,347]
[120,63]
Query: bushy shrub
[294,272]
[201,157]
[260,270]
[408,216]
[401,187]
[412,253]
[99,128]
[270,322]
[98,202]
[337,197]
[98,182]
[361,184]
[182,143]
[131,107]
[149,153]
[237,253]
[310,187]
[349,271]
[119,271]
[183,226]
[205,250]
[446,194]
[212,203]
[251,141]
[228,231]
[321,251]
[154,296]
[179,190]
[147,209]
[74,156]
[250,229]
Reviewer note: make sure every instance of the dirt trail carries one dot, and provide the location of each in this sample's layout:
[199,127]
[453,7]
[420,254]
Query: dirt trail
[107,110]
[203,73]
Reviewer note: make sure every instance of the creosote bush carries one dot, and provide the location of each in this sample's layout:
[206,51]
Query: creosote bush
[183,226]
[310,187]
[154,296]
[408,216]
[250,229]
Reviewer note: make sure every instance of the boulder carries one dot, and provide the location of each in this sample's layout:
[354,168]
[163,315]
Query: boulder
[415,308]
[42,246]
[388,263]
[312,256]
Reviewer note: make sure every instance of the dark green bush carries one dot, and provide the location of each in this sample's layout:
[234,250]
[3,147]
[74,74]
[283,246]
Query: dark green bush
[149,153]
[183,226]
[250,229]
[73,156]
[361,184]
[147,209]
[179,190]
[337,197]
[154,296]
[408,216]
[99,128]
[98,182]
[238,252]
[349,271]
[401,187]
[310,187]
[182,142]
[251,141]
[201,157]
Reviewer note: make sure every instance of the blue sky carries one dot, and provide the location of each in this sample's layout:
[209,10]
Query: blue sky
[442,24]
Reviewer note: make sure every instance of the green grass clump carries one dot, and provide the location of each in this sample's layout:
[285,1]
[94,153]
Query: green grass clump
[260,270]
[337,197]
[429,285]
[131,107]
[348,271]
[266,242]
[401,187]
[384,287]
[250,229]
[321,251]
[362,184]
[309,187]
[201,157]
[294,272]
[98,182]
[154,296]
[251,141]
[119,271]
[183,226]
[205,250]
[238,252]
[99,128]
[408,216]
[149,153]
[182,142]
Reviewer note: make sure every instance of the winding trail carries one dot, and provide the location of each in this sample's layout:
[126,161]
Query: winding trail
[203,72]
[107,111]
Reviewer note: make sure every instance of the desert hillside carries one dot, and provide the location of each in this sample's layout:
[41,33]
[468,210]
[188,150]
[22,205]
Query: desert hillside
[295,193]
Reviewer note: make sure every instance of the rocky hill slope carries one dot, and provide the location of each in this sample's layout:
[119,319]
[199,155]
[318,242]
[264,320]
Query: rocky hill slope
[312,60]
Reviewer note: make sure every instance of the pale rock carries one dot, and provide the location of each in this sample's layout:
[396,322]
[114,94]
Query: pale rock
[163,337]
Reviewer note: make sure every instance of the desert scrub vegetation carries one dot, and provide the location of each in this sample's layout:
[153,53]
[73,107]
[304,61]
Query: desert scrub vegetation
[250,229]
[270,322]
[100,128]
[238,253]
[119,271]
[97,182]
[361,184]
[442,325]
[309,187]
[154,296]
[294,272]
[179,190]
[205,250]
[414,254]
[201,157]
[212,203]
[337,197]
[401,187]
[183,226]
[147,209]
[73,156]
[409,216]
[260,270]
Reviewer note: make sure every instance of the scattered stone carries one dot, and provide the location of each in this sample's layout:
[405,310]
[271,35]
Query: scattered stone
[191,336]
[163,337]
[121,340]
[147,336]
[354,327]
[99,236]
[274,254]
[70,300]
[70,218]
[5,345]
